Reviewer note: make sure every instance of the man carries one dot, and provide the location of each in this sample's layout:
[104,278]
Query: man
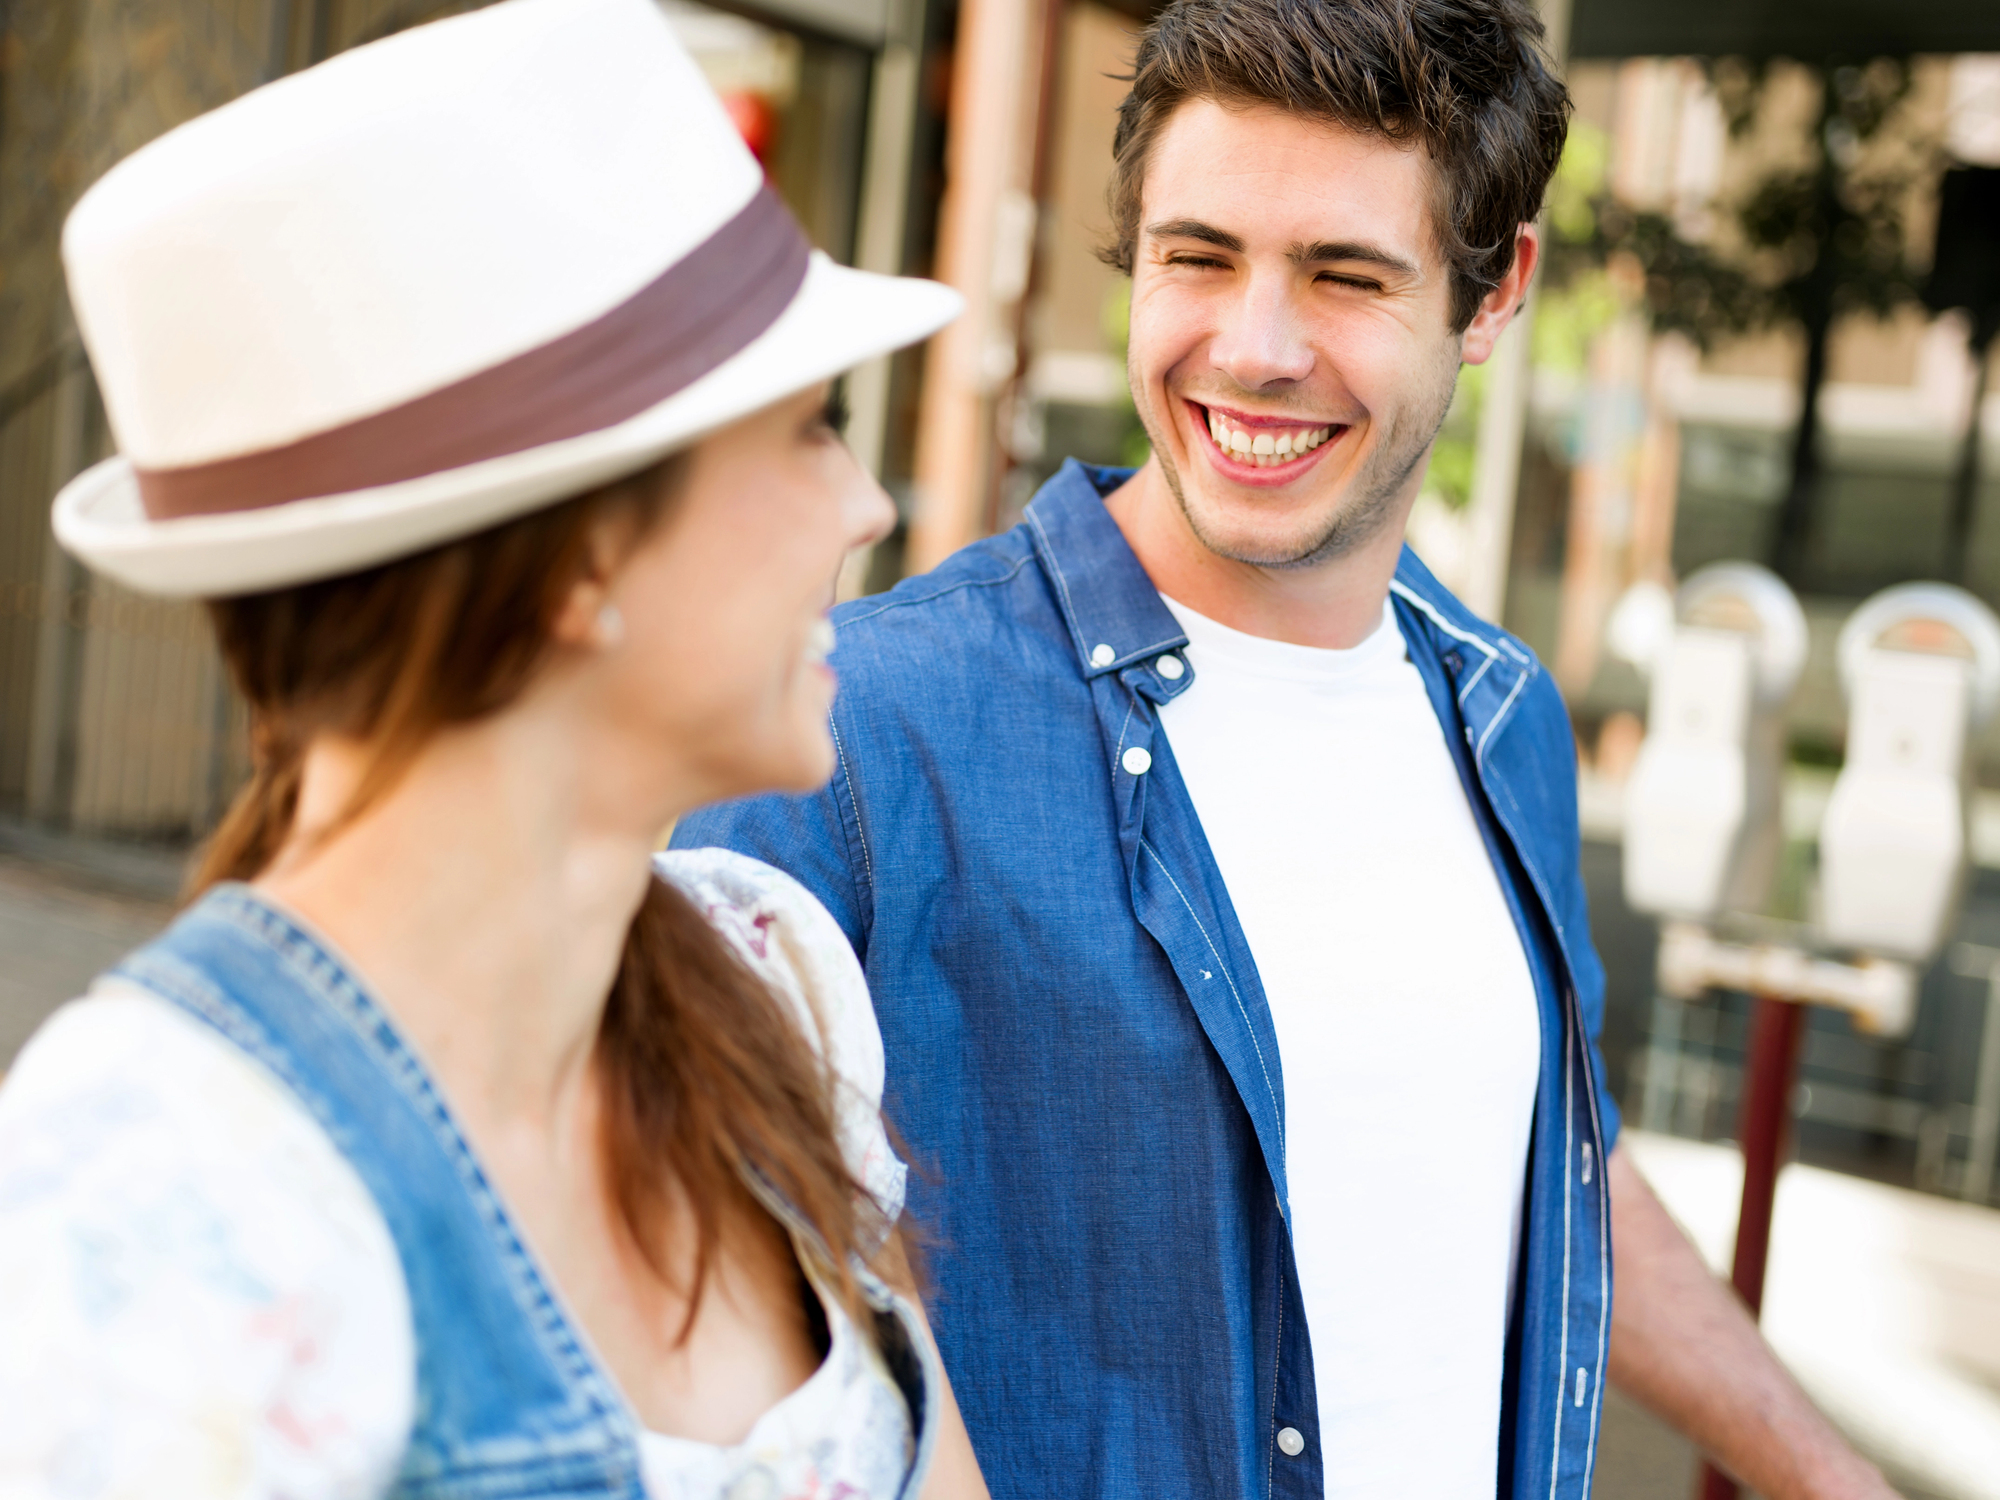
[1217,873]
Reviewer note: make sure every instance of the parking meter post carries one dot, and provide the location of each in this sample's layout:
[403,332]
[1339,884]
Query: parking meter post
[1715,1485]
[1769,1066]
[1776,1028]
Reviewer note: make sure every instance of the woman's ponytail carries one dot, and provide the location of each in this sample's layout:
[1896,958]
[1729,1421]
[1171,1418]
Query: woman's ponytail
[260,818]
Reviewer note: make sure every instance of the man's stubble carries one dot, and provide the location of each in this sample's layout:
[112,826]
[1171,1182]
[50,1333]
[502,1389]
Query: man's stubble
[1376,492]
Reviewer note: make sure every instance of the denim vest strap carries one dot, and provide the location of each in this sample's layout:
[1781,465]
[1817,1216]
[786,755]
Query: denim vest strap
[509,1401]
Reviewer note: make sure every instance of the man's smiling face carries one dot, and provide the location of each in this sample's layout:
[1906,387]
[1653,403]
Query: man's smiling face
[1291,351]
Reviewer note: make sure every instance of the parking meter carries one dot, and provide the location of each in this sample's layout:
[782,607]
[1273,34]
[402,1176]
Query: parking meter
[1702,824]
[1920,664]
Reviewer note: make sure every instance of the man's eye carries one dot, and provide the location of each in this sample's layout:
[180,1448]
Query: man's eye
[1196,260]
[1359,283]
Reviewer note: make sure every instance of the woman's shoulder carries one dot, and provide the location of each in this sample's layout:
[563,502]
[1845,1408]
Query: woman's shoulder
[792,942]
[783,933]
[191,1274]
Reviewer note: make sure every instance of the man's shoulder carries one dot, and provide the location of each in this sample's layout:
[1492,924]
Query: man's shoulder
[1509,703]
[1451,618]
[977,604]
[972,579]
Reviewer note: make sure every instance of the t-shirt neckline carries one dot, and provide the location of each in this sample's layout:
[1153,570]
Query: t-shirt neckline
[1264,656]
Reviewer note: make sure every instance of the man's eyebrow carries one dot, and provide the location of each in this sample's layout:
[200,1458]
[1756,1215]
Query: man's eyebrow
[1374,255]
[1194,229]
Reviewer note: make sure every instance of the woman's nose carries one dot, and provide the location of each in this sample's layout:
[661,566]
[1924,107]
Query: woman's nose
[869,512]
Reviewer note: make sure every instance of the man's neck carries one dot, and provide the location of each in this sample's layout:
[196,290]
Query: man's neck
[1333,604]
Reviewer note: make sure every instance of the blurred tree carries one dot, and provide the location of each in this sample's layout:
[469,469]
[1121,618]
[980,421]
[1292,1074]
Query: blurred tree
[1814,242]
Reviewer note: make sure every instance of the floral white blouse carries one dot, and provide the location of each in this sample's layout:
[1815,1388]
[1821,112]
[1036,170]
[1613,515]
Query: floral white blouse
[199,1298]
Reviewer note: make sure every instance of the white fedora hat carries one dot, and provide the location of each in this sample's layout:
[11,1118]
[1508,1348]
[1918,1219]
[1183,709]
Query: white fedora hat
[430,285]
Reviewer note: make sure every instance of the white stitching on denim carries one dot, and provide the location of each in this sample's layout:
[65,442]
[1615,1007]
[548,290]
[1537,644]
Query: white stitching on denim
[1574,1042]
[1269,1087]
[1062,583]
[1398,586]
[1569,1151]
[951,588]
[860,828]
[1277,1364]
[1603,1237]
[1499,715]
[1473,681]
[1117,755]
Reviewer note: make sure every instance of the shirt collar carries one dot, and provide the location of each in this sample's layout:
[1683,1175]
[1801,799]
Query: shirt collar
[1113,611]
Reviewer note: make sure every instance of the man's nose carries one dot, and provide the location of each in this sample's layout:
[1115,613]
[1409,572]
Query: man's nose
[1262,340]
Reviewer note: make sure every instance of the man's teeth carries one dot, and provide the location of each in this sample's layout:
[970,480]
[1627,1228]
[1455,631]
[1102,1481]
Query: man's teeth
[1268,446]
[820,645]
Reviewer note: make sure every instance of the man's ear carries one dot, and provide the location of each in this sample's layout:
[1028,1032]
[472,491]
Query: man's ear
[1500,305]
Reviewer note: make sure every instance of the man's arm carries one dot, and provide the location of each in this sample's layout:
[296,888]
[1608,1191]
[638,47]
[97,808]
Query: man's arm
[1683,1346]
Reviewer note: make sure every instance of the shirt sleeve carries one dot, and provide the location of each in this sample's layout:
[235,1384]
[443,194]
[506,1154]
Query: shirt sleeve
[790,940]
[816,839]
[198,1297]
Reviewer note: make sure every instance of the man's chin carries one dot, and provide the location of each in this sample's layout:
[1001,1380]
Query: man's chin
[1264,546]
[1261,528]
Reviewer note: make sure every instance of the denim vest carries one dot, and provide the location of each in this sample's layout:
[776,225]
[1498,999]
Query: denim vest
[510,1400]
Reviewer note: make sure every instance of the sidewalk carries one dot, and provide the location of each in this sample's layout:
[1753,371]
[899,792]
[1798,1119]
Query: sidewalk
[56,932]
[1884,1303]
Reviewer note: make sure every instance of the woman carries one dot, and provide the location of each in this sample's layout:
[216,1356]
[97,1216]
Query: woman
[448,1144]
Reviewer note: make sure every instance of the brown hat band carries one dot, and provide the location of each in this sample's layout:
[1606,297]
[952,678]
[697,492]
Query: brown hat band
[697,313]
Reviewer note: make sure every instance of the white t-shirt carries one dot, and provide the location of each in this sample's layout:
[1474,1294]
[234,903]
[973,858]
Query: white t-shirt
[199,1297]
[1407,1029]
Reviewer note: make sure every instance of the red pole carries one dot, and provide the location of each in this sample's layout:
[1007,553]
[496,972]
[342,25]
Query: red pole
[1776,1027]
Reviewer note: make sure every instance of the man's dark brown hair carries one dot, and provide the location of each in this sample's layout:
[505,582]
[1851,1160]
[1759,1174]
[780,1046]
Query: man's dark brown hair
[1465,80]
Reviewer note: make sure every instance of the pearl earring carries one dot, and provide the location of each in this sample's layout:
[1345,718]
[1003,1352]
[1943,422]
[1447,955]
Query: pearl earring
[610,627]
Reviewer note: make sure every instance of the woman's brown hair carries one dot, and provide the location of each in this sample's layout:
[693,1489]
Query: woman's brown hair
[703,1072]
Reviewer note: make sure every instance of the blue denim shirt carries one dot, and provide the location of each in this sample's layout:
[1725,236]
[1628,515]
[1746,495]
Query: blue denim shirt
[511,1401]
[1080,1050]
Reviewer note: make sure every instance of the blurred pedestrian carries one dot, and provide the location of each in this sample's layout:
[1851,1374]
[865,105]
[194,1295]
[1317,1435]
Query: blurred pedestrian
[1216,872]
[448,1144]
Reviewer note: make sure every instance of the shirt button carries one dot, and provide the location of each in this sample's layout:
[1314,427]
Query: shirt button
[1291,1442]
[1138,760]
[1102,656]
[1171,668]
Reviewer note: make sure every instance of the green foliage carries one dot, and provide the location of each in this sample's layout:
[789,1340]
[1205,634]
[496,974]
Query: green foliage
[1115,317]
[1816,242]
[1450,472]
[1568,317]
[1579,184]
[1134,447]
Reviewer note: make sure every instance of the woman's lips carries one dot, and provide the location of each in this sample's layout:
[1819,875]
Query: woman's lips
[1263,450]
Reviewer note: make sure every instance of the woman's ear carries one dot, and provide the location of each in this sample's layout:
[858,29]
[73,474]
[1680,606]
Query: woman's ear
[588,618]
